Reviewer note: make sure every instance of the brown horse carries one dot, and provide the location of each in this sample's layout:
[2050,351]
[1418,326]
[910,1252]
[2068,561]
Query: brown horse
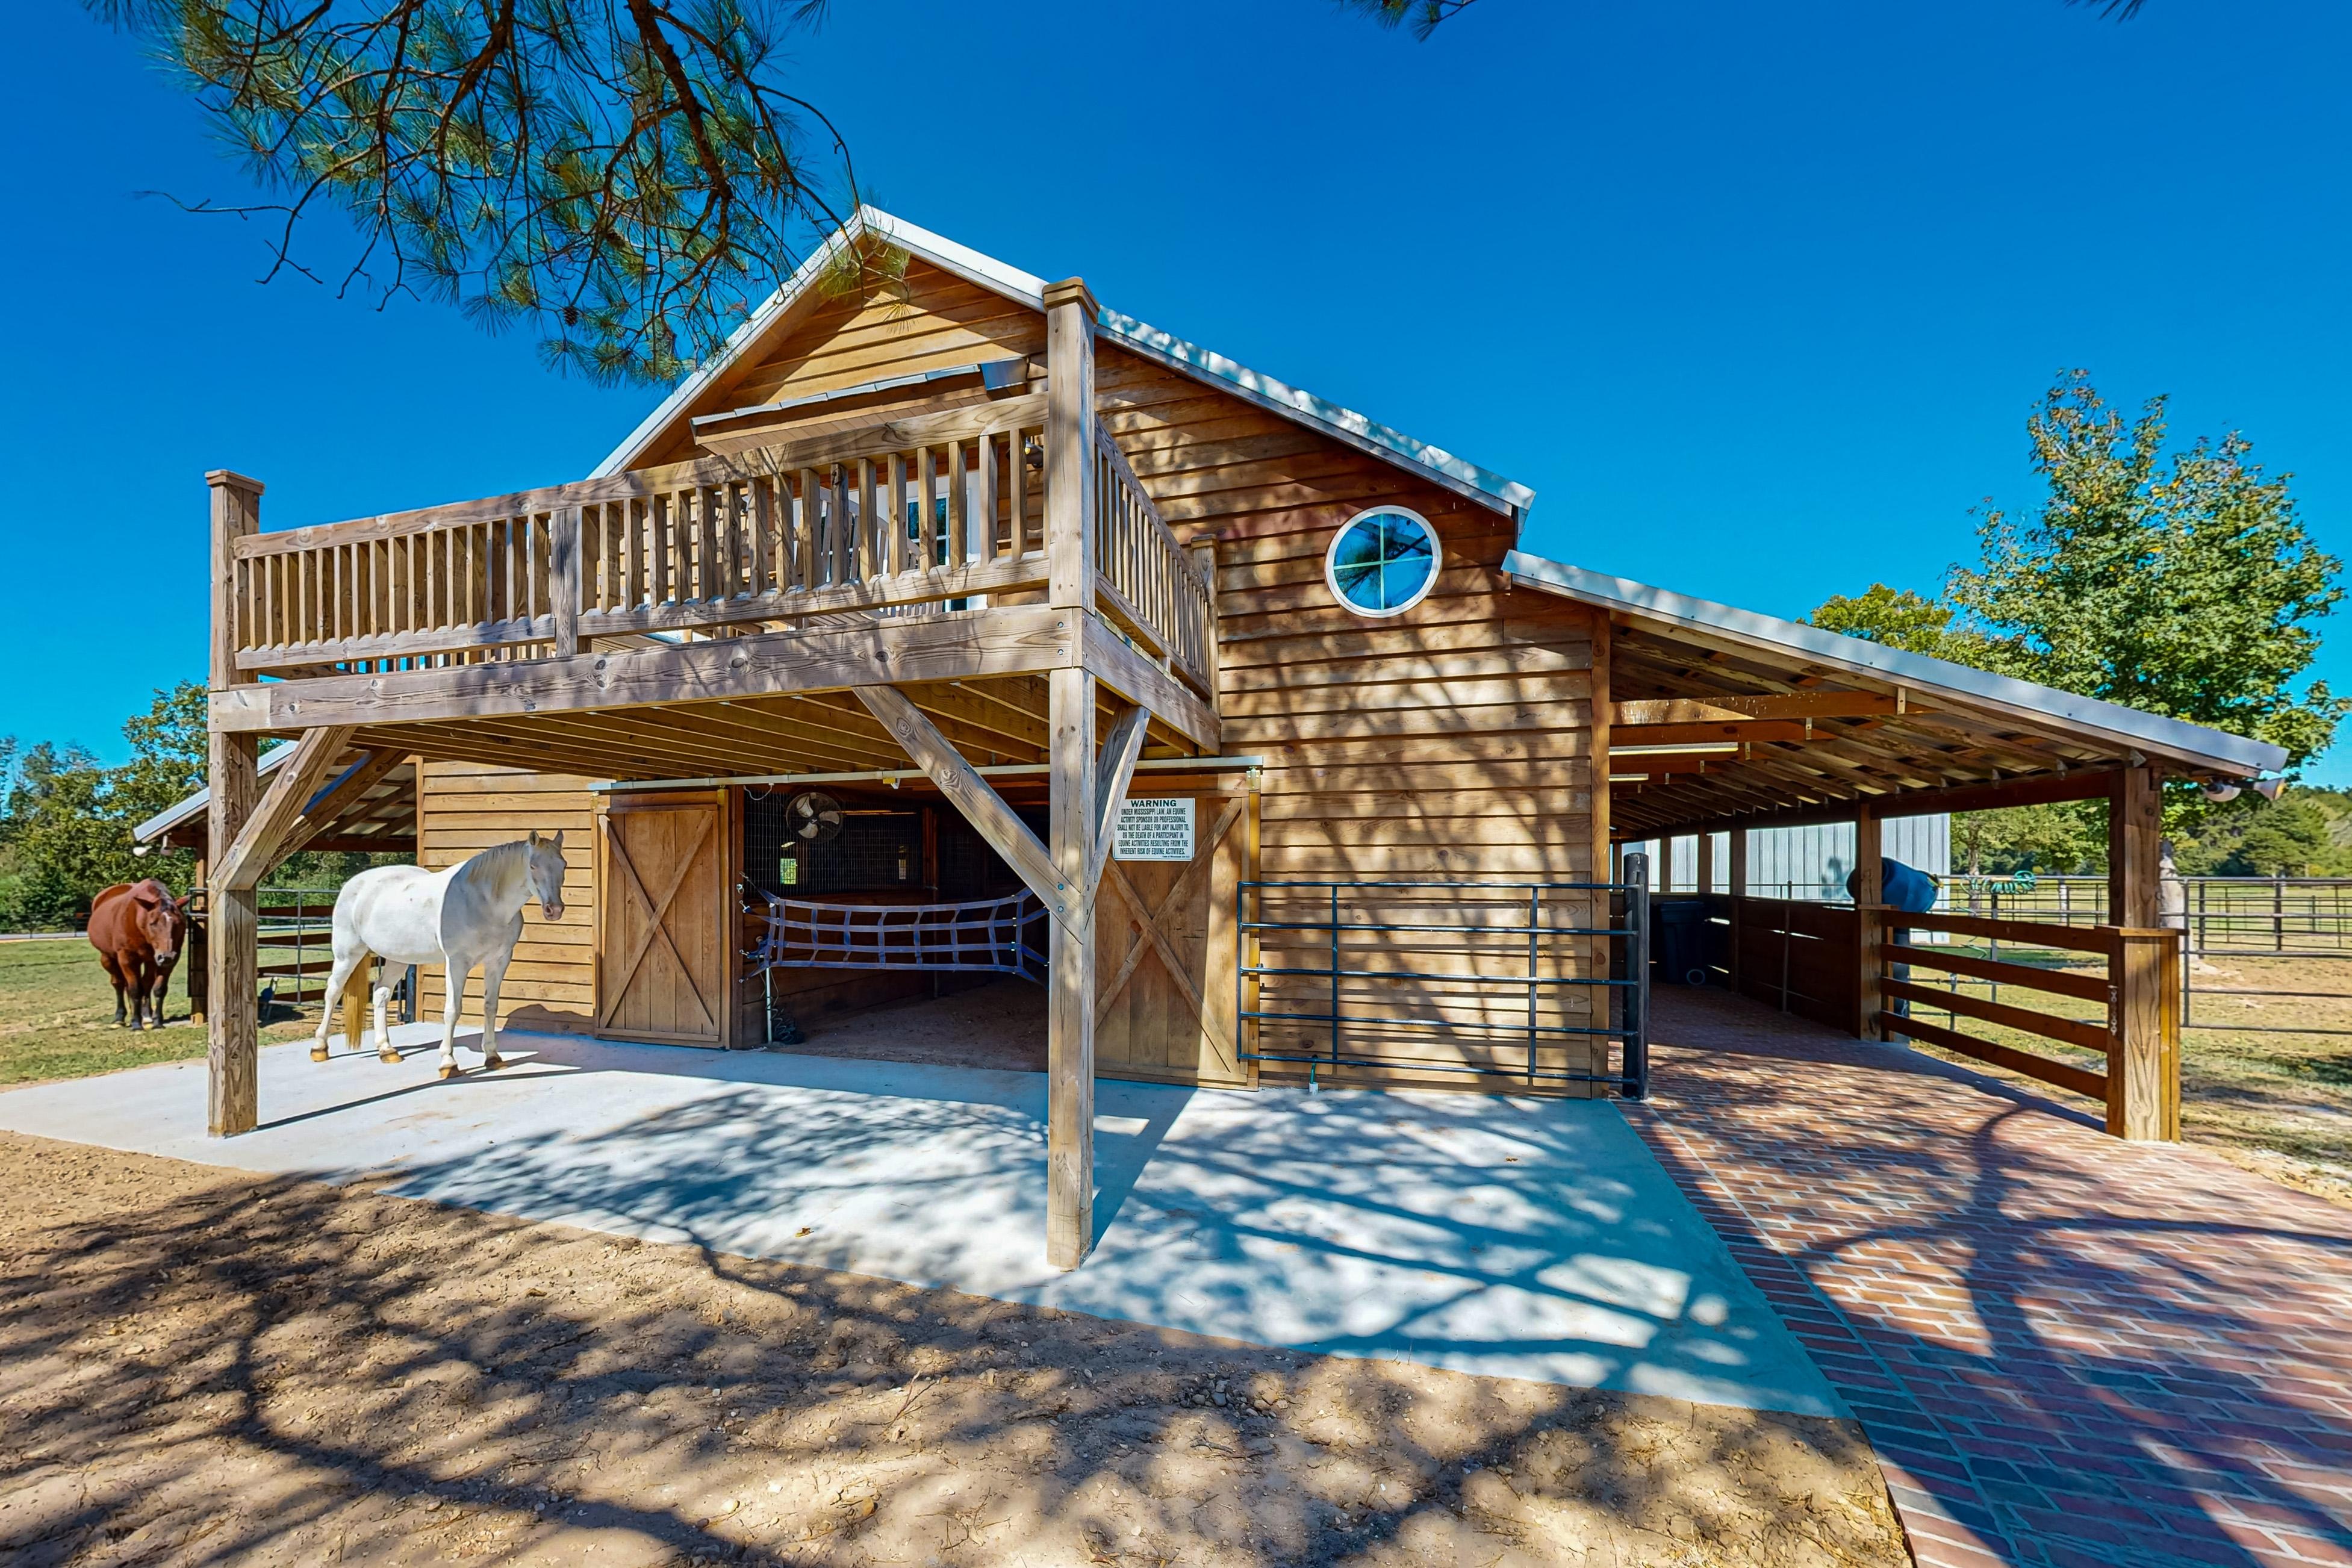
[138,929]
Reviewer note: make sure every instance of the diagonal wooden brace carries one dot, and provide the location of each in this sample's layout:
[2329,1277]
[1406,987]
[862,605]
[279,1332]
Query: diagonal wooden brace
[1113,772]
[981,805]
[260,843]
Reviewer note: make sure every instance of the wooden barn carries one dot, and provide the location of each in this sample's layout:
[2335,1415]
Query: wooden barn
[952,630]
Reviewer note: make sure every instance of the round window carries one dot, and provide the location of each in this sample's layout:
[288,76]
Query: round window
[1384,562]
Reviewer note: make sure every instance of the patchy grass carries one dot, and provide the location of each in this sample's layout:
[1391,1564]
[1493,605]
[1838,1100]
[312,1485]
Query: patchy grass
[56,1017]
[2280,1104]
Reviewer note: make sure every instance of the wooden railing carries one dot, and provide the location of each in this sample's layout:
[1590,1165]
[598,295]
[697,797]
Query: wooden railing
[914,516]
[2136,1029]
[1148,586]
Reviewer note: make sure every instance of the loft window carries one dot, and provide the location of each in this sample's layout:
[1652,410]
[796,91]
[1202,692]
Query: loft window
[1384,562]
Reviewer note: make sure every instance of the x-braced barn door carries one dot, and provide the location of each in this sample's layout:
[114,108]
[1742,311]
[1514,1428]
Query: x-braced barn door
[663,963]
[1164,932]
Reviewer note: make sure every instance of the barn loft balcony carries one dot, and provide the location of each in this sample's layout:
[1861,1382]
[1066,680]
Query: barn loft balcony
[714,616]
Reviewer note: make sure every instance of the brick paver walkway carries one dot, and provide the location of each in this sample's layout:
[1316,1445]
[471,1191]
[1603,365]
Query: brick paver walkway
[2068,1350]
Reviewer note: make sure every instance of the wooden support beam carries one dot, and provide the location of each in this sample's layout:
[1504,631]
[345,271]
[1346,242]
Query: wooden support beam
[1070,987]
[1008,640]
[1113,770]
[2081,784]
[985,809]
[1727,708]
[260,843]
[1070,315]
[1870,932]
[1072,808]
[2134,846]
[1601,953]
[1109,659]
[1738,838]
[232,917]
[2144,1053]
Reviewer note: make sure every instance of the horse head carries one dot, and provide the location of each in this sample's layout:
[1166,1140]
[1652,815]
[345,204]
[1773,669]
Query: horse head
[547,874]
[162,919]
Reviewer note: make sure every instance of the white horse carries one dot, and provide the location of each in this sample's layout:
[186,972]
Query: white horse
[469,915]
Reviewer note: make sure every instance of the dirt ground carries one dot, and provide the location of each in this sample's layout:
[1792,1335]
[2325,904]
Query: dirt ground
[198,1365]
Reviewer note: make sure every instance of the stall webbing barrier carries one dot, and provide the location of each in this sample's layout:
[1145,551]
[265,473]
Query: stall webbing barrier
[1624,988]
[982,936]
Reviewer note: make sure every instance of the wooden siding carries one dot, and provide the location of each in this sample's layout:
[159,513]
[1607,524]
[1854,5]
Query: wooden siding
[1452,743]
[934,321]
[464,807]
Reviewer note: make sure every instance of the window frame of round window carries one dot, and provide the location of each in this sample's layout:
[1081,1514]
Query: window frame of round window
[1331,557]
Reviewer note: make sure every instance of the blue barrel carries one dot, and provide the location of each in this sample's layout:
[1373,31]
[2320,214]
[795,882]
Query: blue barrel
[1900,887]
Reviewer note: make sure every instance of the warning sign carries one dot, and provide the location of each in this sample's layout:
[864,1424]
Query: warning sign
[1154,830]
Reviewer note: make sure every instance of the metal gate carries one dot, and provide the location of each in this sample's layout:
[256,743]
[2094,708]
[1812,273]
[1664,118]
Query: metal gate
[1491,979]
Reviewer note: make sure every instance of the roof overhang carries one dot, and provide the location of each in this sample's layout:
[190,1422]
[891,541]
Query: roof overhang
[1435,464]
[1941,730]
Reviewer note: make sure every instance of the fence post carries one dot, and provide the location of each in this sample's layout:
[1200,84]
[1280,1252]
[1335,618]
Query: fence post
[2144,1036]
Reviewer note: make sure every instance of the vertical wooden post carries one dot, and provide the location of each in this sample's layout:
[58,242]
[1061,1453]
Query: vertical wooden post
[1070,1004]
[2144,1036]
[232,1101]
[1202,552]
[1070,313]
[1869,935]
[563,579]
[1706,862]
[192,960]
[1607,857]
[2135,847]
[2143,1025]
[1738,847]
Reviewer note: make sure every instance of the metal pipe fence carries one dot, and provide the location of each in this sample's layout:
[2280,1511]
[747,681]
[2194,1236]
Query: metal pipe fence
[1498,960]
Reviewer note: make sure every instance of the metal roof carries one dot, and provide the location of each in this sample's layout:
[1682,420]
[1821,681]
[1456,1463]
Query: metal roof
[1463,477]
[2111,721]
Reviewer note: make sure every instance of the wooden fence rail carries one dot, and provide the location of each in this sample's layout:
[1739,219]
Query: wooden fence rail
[2137,1031]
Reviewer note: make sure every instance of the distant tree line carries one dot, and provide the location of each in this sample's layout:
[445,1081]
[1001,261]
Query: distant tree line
[67,819]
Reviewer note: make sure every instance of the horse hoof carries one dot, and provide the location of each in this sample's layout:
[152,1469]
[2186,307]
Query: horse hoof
[392,1057]
[449,1072]
[492,1064]
[317,1053]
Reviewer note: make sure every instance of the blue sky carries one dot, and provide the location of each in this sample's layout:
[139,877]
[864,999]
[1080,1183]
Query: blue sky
[1755,298]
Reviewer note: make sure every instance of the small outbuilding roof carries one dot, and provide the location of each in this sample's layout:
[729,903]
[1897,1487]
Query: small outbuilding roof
[369,803]
[1457,474]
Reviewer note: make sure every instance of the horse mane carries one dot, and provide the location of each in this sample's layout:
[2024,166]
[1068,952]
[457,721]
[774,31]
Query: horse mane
[501,860]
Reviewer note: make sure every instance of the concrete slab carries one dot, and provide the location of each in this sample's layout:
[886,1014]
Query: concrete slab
[1524,1238]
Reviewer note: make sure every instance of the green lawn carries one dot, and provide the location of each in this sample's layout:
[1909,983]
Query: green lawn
[56,1017]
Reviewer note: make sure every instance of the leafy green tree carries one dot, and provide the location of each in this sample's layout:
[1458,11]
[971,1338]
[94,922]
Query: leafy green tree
[1899,617]
[2290,839]
[2183,585]
[66,822]
[628,175]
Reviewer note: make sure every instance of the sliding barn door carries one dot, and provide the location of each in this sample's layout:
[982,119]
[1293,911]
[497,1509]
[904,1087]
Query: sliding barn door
[1164,1006]
[665,963]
